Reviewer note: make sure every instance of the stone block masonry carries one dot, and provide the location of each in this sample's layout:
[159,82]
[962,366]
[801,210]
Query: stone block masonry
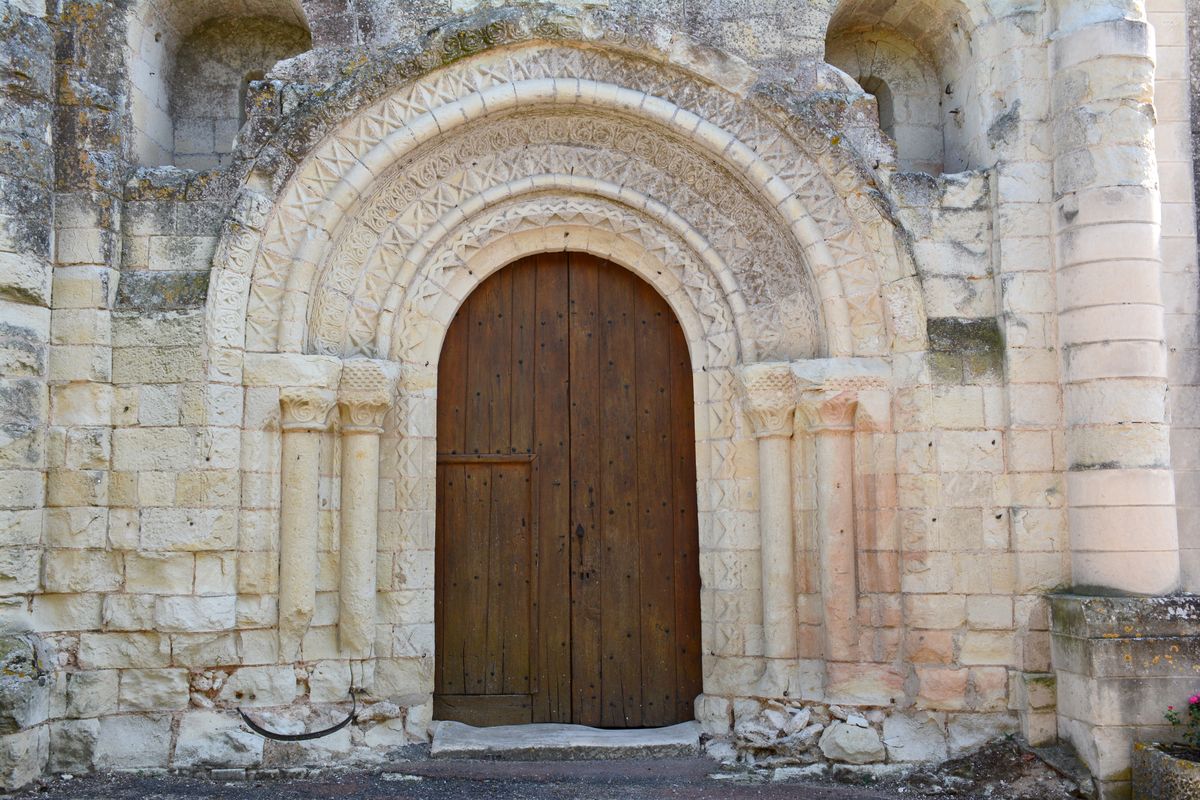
[942,418]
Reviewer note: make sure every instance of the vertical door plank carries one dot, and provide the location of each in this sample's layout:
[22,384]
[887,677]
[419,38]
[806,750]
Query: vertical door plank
[586,666]
[552,434]
[619,566]
[451,432]
[519,636]
[452,388]
[451,620]
[523,355]
[483,308]
[491,373]
[473,575]
[655,506]
[685,528]
[508,605]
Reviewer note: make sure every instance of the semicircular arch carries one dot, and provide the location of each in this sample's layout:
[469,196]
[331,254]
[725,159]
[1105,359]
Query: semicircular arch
[818,200]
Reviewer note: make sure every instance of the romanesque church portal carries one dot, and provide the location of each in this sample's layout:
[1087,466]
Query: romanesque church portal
[620,364]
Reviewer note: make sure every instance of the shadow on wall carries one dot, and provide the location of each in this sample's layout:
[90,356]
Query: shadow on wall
[189,65]
[914,58]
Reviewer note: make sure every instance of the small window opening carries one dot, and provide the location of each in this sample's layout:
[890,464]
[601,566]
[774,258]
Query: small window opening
[883,99]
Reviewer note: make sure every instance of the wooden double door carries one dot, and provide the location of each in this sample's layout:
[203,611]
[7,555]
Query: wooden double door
[567,582]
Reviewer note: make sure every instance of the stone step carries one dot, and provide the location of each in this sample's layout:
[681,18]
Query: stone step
[548,742]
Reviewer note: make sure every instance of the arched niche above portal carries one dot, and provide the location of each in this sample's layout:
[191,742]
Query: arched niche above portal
[188,65]
[916,59]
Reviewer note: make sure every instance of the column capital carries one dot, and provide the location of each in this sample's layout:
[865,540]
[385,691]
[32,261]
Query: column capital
[365,394]
[305,408]
[828,409]
[769,390]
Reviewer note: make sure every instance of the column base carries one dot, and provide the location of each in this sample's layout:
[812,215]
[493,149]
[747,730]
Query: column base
[1120,661]
[777,679]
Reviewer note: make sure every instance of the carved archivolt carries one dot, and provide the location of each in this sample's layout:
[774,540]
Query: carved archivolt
[459,262]
[799,230]
[524,155]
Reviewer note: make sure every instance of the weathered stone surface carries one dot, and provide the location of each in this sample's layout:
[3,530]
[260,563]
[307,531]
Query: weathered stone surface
[1011,335]
[92,694]
[213,739]
[417,720]
[329,682]
[1157,775]
[914,737]
[24,683]
[23,756]
[852,744]
[154,689]
[131,741]
[260,686]
[524,742]
[389,733]
[150,290]
[73,744]
[970,731]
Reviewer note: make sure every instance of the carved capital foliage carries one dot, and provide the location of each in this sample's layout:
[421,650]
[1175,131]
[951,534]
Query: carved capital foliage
[305,408]
[829,409]
[366,393]
[770,393]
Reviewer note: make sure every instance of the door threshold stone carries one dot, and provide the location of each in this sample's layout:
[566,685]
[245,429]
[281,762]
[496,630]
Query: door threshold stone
[553,742]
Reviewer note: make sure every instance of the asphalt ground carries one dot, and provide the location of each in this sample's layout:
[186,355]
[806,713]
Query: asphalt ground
[685,779]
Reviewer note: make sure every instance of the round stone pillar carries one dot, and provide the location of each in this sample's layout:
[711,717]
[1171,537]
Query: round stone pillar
[366,393]
[305,418]
[770,403]
[1120,487]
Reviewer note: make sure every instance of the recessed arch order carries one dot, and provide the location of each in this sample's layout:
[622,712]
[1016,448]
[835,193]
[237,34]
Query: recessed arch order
[367,220]
[791,242]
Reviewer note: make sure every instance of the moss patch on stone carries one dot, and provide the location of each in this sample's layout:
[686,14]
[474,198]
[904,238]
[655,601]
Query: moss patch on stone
[151,290]
[965,350]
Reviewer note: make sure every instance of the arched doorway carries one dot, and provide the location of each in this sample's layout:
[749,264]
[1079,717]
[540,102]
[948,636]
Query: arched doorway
[567,576]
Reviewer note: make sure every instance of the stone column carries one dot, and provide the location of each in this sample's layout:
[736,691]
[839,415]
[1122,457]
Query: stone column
[305,417]
[770,395]
[830,419]
[366,393]
[1120,487]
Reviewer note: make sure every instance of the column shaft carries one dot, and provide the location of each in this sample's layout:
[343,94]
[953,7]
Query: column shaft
[299,521]
[366,392]
[305,415]
[836,541]
[778,578]
[360,524]
[770,404]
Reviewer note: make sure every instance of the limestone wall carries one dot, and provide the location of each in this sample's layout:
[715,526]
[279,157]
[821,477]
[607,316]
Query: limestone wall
[1181,282]
[906,437]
